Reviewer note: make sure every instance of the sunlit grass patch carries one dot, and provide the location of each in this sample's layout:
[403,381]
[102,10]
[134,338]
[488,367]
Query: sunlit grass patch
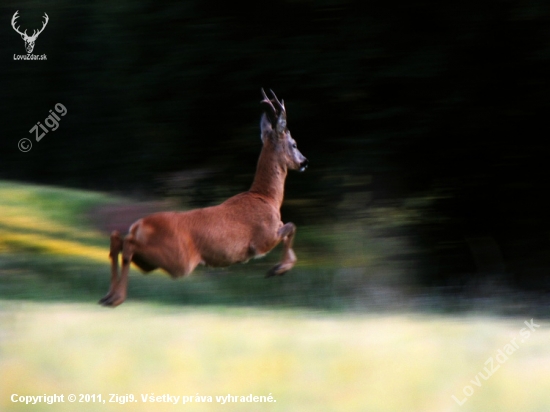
[55,204]
[39,219]
[43,244]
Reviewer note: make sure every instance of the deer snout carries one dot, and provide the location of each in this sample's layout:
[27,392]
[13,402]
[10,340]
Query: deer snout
[303,165]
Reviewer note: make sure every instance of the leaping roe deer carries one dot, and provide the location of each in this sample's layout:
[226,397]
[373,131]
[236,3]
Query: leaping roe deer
[245,226]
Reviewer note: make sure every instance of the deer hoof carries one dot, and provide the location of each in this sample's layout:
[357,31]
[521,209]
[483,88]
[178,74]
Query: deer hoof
[112,300]
[104,298]
[277,270]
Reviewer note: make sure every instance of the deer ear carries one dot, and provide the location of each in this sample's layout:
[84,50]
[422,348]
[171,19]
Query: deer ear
[281,123]
[265,127]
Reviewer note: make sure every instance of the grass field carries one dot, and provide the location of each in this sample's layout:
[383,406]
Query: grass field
[234,333]
[307,361]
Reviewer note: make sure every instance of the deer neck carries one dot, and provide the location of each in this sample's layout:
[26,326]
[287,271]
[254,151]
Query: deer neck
[269,180]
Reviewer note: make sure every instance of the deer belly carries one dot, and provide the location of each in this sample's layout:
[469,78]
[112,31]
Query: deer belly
[230,255]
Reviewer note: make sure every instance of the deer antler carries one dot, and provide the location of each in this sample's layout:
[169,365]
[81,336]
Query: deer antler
[280,104]
[35,32]
[15,17]
[269,102]
[277,116]
[35,35]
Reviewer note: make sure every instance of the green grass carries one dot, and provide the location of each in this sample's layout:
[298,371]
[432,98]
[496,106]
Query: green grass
[51,220]
[305,338]
[51,250]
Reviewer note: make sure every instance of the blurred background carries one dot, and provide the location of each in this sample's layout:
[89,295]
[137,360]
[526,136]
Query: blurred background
[427,120]
[423,220]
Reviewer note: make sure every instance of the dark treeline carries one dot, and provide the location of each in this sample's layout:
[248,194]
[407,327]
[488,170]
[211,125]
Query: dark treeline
[442,101]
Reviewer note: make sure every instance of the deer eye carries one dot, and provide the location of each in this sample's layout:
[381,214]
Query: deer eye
[294,146]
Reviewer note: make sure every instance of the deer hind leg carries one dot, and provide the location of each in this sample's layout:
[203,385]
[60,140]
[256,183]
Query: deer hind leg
[115,249]
[118,295]
[286,234]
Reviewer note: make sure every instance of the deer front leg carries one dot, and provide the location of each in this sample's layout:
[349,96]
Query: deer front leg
[115,249]
[286,234]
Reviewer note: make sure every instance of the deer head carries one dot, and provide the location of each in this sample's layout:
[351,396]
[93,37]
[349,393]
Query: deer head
[29,40]
[274,129]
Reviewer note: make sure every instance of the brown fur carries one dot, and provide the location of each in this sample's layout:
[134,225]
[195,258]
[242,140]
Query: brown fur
[244,226]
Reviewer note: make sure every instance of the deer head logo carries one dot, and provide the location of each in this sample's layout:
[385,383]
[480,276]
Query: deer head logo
[29,40]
